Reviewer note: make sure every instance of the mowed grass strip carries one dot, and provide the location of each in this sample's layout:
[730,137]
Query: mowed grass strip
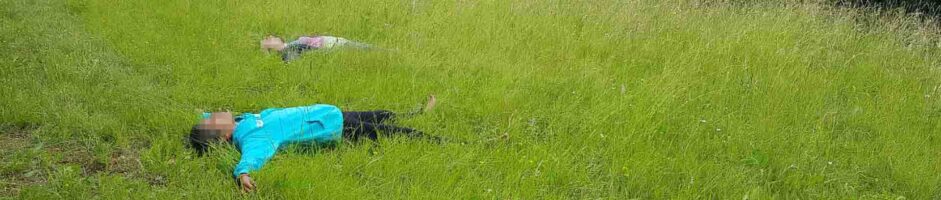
[545,99]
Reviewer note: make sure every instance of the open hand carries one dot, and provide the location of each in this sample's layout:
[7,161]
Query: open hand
[247,184]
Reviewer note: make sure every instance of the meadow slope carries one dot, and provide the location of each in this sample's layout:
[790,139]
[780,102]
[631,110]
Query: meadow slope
[546,99]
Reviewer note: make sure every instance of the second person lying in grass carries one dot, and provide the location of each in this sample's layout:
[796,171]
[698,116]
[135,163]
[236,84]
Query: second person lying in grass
[259,136]
[293,50]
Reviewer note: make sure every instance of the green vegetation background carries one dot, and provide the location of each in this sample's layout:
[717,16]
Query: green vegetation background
[556,99]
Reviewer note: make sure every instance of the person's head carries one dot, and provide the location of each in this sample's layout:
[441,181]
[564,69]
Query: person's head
[272,42]
[217,127]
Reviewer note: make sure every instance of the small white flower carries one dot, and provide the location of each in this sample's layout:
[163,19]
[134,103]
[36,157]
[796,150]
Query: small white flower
[719,129]
[702,121]
[830,162]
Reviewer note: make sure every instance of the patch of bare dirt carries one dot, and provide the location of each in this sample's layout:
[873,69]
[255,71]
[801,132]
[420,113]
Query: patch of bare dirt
[17,170]
[26,161]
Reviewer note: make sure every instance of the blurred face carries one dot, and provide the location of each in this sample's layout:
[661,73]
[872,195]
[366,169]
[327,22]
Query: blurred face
[272,42]
[219,122]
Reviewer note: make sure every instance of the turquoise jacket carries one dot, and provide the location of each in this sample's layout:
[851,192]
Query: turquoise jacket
[258,136]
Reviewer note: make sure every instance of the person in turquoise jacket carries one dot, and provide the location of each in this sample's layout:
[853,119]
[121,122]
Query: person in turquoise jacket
[258,136]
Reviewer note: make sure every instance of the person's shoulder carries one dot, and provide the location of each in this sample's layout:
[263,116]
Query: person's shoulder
[293,45]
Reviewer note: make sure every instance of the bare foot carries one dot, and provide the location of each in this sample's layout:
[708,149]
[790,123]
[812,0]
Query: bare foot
[430,105]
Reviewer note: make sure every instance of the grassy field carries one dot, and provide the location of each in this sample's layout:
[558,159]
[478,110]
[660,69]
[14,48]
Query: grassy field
[555,99]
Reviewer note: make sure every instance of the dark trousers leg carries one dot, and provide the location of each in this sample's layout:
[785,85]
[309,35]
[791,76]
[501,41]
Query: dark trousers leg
[369,124]
[377,117]
[356,130]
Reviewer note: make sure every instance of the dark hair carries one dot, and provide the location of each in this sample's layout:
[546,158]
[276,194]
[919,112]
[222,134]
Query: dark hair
[200,139]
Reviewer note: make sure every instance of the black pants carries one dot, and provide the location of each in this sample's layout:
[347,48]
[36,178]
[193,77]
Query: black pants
[369,124]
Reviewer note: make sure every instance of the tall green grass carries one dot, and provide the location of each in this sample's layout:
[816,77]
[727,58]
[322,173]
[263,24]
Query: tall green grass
[553,99]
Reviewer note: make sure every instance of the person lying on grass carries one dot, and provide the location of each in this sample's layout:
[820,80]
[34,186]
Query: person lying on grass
[294,49]
[259,136]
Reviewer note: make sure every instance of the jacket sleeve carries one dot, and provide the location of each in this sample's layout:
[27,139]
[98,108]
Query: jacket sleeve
[254,156]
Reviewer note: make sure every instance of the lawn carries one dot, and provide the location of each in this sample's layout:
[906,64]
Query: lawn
[542,99]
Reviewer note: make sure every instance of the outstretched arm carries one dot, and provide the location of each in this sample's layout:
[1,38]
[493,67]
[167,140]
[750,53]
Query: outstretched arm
[254,156]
